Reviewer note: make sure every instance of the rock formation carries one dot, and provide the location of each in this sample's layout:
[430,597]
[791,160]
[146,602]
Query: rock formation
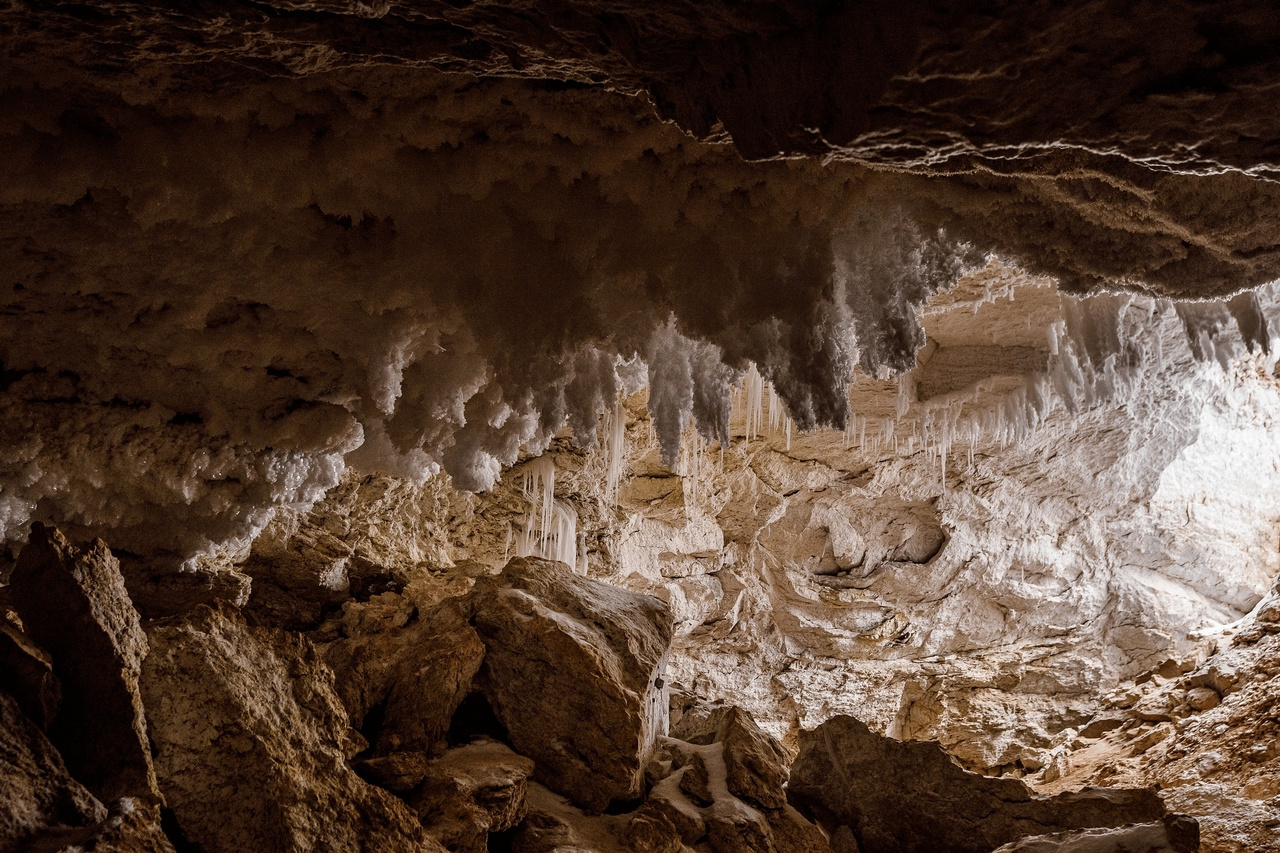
[557,644]
[600,426]
[246,722]
[910,797]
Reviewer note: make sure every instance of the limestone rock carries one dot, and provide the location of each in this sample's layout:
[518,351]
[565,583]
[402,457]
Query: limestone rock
[158,591]
[755,763]
[131,826]
[1203,698]
[26,674]
[574,670]
[910,797]
[471,791]
[74,604]
[720,785]
[36,791]
[245,722]
[1174,834]
[400,772]
[414,668]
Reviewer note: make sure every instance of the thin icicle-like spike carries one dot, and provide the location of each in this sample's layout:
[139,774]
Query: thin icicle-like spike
[753,408]
[615,449]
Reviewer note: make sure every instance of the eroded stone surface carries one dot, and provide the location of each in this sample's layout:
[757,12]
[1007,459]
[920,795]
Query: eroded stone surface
[472,791]
[73,603]
[411,668]
[1175,834]
[245,721]
[910,797]
[26,674]
[36,791]
[556,643]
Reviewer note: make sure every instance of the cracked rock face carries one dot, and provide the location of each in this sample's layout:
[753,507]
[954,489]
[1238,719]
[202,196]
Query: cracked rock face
[246,721]
[250,250]
[906,797]
[526,424]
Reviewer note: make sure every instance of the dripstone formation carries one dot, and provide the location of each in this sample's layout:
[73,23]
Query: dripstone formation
[798,427]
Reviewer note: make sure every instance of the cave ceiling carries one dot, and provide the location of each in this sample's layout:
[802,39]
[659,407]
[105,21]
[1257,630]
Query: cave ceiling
[248,247]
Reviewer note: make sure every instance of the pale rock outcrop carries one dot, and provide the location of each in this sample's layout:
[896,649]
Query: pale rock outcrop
[73,603]
[1218,760]
[911,797]
[37,793]
[574,669]
[472,791]
[1174,834]
[245,722]
[724,790]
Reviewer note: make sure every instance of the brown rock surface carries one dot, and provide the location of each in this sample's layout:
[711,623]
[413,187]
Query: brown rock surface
[1174,834]
[36,791]
[471,791]
[910,797]
[755,764]
[26,674]
[574,670]
[73,603]
[245,722]
[413,667]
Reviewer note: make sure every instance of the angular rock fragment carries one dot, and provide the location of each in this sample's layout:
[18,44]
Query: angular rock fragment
[26,674]
[471,791]
[245,723]
[37,793]
[728,788]
[73,603]
[160,592]
[755,765]
[910,797]
[412,668]
[574,670]
[1174,834]
[131,826]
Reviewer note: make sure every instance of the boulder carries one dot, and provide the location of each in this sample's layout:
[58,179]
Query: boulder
[755,765]
[26,674]
[37,794]
[246,723]
[911,797]
[574,670]
[1174,834]
[471,791]
[714,792]
[73,604]
[413,668]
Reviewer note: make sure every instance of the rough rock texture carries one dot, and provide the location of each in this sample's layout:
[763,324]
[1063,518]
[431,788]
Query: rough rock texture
[556,643]
[910,797]
[252,248]
[1175,834]
[1216,760]
[755,764]
[26,674]
[36,792]
[410,669]
[245,722]
[472,791]
[724,790]
[73,603]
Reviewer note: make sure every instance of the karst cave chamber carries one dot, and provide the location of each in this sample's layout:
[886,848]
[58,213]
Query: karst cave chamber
[795,427]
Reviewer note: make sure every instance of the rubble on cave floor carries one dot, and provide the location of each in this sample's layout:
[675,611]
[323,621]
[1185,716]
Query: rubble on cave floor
[528,711]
